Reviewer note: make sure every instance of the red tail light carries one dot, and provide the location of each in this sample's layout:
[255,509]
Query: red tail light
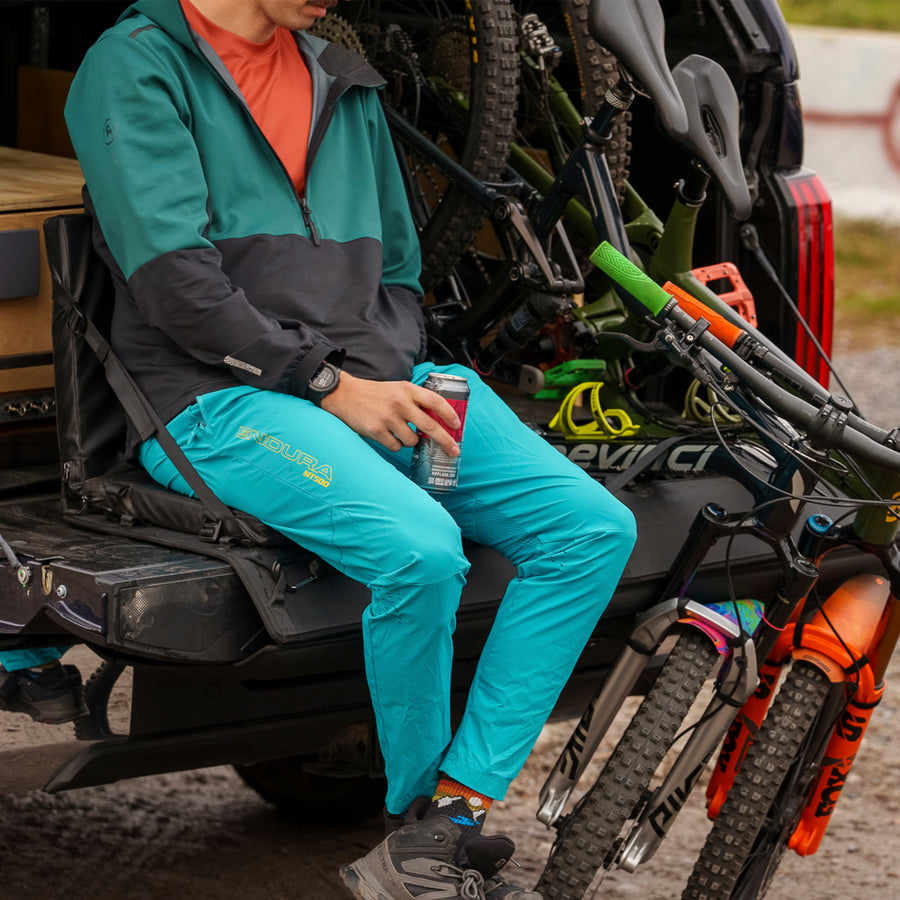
[815,282]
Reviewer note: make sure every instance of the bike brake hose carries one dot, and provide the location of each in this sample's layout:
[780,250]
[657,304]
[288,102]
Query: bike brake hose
[750,240]
[9,554]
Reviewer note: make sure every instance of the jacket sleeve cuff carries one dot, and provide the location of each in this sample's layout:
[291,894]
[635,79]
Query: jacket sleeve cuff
[299,381]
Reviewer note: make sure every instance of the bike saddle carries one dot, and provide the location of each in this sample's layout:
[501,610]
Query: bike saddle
[713,113]
[634,31]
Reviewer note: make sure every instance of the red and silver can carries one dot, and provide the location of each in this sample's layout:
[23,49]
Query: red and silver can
[432,468]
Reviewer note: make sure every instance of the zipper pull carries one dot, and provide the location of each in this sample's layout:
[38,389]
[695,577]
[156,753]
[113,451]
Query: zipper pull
[308,221]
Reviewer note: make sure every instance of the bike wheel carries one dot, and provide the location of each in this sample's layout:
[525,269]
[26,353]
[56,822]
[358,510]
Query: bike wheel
[749,836]
[589,835]
[555,99]
[451,69]
[597,72]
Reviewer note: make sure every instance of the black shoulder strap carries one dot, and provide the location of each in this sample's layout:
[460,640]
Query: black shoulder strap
[143,415]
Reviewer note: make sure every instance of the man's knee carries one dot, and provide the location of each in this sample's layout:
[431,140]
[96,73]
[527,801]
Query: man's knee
[599,534]
[424,548]
[621,522]
[591,509]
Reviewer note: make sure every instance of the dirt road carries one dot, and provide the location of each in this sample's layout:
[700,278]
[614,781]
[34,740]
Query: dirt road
[203,835]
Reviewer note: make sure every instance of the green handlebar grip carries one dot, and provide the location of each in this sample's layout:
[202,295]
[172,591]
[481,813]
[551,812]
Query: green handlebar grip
[629,276]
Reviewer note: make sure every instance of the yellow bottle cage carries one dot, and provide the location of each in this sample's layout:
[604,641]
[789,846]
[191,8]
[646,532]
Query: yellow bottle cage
[702,411]
[606,424]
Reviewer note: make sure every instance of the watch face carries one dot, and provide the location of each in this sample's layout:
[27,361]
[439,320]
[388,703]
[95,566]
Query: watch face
[325,378]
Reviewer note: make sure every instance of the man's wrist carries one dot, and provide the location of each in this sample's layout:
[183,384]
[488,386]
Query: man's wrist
[323,381]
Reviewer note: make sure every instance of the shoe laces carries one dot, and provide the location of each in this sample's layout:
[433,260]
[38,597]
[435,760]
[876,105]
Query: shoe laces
[471,885]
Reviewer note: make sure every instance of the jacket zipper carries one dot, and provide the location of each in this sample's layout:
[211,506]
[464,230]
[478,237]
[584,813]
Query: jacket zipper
[308,220]
[315,139]
[318,130]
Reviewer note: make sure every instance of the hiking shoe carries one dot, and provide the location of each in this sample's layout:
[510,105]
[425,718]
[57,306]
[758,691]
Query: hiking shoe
[488,854]
[416,859]
[498,889]
[50,695]
[433,856]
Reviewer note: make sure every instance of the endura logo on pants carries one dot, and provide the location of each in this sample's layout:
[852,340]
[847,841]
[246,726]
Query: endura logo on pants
[320,473]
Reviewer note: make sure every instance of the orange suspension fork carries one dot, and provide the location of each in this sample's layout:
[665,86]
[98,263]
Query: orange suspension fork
[858,612]
[841,640]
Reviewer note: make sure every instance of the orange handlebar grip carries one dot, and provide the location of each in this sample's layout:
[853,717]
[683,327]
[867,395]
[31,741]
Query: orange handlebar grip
[720,327]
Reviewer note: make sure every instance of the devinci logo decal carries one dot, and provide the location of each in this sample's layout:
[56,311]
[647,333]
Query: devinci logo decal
[315,471]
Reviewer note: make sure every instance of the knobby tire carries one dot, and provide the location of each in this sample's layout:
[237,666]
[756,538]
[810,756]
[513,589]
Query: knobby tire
[749,836]
[589,835]
[492,93]
[597,72]
[469,46]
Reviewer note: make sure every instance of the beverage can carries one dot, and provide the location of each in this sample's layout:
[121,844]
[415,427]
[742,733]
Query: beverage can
[432,468]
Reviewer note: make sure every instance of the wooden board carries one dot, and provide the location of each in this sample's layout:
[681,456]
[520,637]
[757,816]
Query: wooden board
[31,181]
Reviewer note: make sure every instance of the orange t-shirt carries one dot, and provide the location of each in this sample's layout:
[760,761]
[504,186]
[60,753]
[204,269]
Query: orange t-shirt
[274,81]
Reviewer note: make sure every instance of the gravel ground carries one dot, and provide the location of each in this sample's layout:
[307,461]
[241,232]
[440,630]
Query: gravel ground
[866,374]
[204,835]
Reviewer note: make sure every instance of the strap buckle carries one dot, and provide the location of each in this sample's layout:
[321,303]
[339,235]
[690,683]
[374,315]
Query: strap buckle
[211,531]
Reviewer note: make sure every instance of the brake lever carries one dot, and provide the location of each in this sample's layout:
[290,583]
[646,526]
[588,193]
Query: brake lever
[628,340]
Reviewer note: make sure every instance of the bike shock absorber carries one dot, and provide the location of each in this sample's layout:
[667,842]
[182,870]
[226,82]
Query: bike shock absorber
[521,326]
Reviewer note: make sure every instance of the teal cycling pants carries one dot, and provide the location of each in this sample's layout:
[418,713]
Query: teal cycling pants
[302,471]
[10,660]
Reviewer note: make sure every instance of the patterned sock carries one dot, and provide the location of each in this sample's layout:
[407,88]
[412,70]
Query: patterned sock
[459,803]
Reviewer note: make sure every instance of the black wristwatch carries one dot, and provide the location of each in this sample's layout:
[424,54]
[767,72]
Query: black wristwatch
[325,379]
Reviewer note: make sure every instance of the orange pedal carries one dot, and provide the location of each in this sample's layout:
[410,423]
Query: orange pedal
[737,296]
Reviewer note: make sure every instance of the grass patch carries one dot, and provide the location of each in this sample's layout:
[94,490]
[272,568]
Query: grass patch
[882,15]
[867,282]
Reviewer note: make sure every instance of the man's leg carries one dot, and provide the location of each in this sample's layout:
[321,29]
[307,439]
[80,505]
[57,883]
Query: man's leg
[306,474]
[11,660]
[570,540]
[38,685]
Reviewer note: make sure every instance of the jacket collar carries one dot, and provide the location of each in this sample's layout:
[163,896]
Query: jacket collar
[334,61]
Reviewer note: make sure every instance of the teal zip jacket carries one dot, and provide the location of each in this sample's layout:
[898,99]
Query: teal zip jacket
[224,275]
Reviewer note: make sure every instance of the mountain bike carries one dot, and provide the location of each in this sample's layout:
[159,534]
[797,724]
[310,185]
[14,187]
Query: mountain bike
[453,79]
[809,448]
[786,761]
[780,793]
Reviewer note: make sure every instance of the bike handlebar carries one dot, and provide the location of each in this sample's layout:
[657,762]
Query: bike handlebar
[829,424]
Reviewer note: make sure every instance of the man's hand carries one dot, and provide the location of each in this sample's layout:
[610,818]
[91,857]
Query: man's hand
[384,410]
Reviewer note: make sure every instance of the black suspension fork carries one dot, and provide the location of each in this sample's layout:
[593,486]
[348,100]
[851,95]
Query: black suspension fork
[711,523]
